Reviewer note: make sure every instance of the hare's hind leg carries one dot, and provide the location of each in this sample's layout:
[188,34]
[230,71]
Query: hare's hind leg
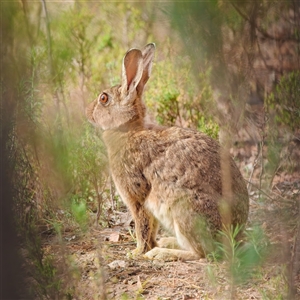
[168,242]
[193,235]
[171,248]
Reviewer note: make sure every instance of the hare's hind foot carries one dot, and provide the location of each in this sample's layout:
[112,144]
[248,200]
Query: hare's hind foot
[142,248]
[140,251]
[165,254]
[169,250]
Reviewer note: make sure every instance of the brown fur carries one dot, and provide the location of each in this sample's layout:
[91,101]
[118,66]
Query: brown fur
[171,175]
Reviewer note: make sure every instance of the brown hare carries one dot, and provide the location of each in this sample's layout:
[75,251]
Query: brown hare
[166,175]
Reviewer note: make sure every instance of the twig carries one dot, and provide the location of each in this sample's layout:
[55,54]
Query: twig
[274,174]
[251,175]
[195,262]
[111,191]
[260,190]
[99,199]
[294,267]
[49,39]
[189,284]
[268,196]
[284,199]
[262,162]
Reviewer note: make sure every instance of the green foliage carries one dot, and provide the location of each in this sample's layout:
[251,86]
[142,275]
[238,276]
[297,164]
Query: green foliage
[79,35]
[199,106]
[242,257]
[28,191]
[284,102]
[283,106]
[48,283]
[208,126]
[204,22]
[32,108]
[274,151]
[79,212]
[176,98]
[88,160]
[168,108]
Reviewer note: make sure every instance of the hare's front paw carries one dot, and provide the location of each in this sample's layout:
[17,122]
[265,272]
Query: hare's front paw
[135,253]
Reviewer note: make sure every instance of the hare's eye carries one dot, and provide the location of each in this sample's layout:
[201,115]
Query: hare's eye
[103,99]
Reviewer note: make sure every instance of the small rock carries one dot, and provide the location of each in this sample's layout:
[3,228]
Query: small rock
[158,264]
[114,237]
[118,264]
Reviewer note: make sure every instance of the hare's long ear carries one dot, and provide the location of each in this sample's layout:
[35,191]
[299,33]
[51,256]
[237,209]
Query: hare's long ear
[148,55]
[132,71]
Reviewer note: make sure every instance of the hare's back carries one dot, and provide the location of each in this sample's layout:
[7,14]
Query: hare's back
[185,158]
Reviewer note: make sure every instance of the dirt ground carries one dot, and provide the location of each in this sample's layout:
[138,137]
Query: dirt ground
[102,269]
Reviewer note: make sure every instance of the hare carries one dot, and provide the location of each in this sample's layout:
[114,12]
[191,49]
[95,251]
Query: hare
[166,175]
